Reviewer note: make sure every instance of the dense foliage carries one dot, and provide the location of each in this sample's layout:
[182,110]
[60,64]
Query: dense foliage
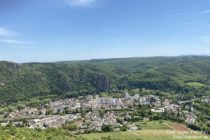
[11,133]
[187,74]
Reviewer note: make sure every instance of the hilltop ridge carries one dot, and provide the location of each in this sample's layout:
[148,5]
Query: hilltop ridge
[73,78]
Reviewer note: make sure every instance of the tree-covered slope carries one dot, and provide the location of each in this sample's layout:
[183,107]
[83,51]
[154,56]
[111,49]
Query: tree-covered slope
[179,74]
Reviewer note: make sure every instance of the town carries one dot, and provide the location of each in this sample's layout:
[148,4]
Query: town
[96,114]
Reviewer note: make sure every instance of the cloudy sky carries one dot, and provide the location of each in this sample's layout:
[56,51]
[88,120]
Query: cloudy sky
[56,30]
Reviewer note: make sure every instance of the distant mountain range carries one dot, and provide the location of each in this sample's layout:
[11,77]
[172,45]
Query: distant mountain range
[182,74]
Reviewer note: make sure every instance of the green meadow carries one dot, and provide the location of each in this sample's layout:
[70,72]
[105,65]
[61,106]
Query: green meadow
[145,135]
[151,130]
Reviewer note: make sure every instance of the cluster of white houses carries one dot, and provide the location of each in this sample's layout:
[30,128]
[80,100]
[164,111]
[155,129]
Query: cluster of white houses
[41,118]
[54,121]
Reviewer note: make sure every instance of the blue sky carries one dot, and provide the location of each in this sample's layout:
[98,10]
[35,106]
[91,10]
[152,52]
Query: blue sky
[57,30]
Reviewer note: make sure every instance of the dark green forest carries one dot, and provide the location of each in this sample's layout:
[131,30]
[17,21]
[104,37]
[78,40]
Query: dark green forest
[184,74]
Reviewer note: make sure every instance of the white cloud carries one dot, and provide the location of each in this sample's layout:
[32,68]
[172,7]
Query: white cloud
[80,3]
[8,37]
[14,42]
[205,12]
[6,33]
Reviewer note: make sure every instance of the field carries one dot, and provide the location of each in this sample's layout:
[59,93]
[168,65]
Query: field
[155,125]
[179,127]
[146,135]
[150,131]
[195,84]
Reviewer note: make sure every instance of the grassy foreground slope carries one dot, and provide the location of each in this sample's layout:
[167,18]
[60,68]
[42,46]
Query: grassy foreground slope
[151,130]
[145,135]
[13,133]
[68,79]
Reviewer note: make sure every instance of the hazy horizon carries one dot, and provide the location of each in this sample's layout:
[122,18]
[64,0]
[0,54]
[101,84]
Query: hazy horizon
[104,59]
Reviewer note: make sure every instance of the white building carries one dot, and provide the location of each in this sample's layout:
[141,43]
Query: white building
[136,97]
[127,96]
[160,110]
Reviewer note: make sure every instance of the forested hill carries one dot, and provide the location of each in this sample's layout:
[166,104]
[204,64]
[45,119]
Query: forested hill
[182,74]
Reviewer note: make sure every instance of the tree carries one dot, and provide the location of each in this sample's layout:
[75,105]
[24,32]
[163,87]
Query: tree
[70,127]
[49,112]
[101,112]
[106,128]
[66,110]
[19,107]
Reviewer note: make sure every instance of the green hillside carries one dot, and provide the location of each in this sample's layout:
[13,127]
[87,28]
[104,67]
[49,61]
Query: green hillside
[184,74]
